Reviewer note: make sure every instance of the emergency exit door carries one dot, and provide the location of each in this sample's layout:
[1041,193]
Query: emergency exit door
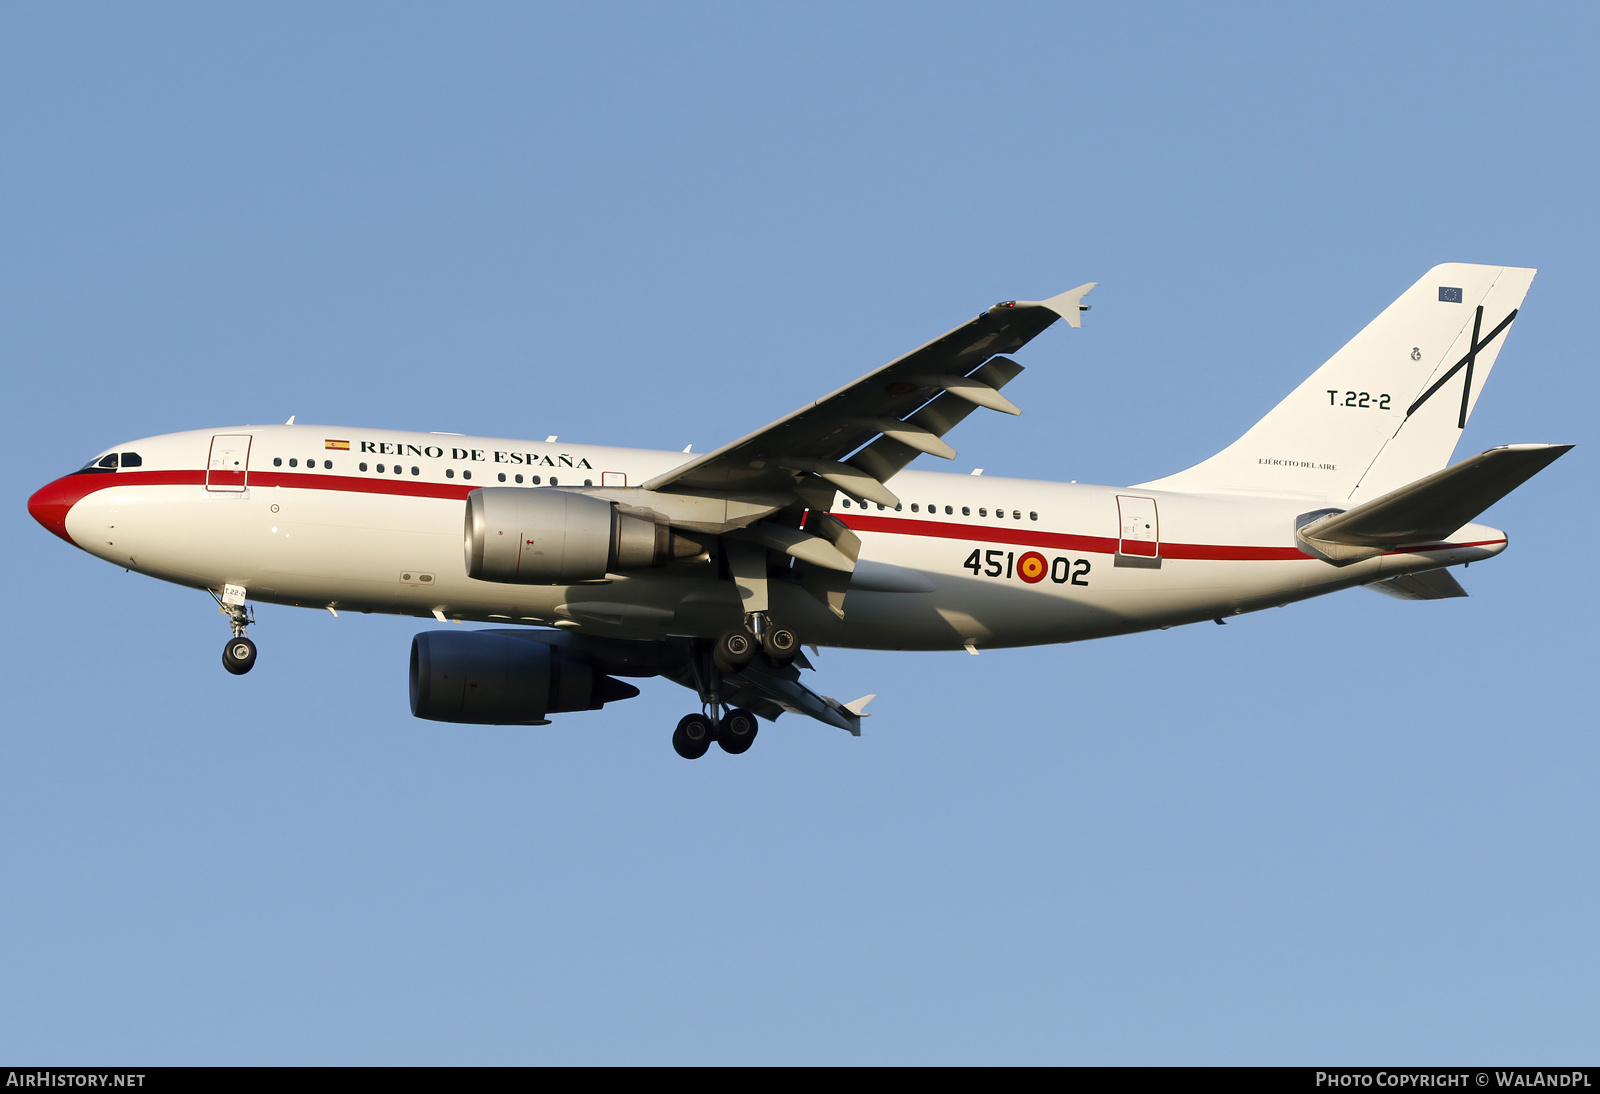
[228,465]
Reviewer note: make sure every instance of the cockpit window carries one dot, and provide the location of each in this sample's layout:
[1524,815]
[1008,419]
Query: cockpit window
[108,462]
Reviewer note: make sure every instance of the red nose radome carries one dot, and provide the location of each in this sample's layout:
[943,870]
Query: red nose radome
[51,504]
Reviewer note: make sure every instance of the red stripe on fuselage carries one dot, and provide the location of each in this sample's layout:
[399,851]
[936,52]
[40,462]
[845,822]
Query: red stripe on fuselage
[1027,537]
[50,505]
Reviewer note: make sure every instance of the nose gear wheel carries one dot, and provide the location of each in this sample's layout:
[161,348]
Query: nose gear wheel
[239,655]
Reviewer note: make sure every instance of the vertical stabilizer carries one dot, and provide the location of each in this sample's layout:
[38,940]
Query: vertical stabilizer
[1386,409]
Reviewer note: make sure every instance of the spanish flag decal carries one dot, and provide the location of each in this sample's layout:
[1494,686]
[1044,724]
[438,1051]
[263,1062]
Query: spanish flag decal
[343,446]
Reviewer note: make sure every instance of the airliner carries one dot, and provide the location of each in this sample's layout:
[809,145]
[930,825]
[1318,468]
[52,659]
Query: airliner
[595,564]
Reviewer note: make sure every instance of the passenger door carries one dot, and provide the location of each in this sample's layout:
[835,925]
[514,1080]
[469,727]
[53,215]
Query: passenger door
[1140,535]
[228,465]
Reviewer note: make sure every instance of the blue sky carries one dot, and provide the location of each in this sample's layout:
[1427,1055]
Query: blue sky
[1353,830]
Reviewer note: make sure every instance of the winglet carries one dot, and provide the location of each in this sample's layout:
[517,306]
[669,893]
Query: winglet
[1069,304]
[860,705]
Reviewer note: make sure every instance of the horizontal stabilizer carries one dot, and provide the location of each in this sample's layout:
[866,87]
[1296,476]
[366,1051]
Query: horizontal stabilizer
[1428,585]
[1431,508]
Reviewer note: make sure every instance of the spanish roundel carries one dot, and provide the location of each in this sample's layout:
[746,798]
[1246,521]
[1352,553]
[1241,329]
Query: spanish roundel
[1032,567]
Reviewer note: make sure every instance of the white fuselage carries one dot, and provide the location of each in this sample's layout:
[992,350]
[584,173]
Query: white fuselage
[296,518]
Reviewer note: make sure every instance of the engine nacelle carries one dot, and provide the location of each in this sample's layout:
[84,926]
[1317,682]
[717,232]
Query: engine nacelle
[492,678]
[555,537]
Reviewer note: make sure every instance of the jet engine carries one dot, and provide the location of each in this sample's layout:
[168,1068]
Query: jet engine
[556,537]
[494,678]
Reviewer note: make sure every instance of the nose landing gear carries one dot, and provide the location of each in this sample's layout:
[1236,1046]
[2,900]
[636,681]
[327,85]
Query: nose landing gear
[239,655]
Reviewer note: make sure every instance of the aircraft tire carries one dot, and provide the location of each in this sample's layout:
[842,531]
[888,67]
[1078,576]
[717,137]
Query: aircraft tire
[693,736]
[780,644]
[738,731]
[239,655]
[734,650]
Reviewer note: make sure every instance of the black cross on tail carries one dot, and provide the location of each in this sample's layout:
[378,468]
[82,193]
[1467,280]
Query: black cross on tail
[1466,362]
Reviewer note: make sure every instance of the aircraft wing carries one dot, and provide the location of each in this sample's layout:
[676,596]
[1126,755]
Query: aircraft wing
[901,410]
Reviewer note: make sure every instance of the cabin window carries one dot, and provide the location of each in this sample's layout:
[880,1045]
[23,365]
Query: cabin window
[983,512]
[380,469]
[1000,514]
[1033,516]
[464,474]
[588,482]
[398,470]
[277,461]
[880,507]
[553,481]
[502,476]
[364,467]
[416,470]
[519,478]
[897,508]
[847,503]
[449,473]
[914,507]
[534,480]
[294,463]
[966,511]
[948,511]
[1015,513]
[327,465]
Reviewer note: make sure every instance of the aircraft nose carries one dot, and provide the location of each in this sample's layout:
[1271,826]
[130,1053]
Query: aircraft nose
[51,504]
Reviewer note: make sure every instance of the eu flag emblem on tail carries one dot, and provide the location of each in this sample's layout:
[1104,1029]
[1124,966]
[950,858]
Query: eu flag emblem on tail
[1449,296]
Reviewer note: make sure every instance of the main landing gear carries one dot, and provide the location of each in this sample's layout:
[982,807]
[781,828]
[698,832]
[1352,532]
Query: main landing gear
[735,731]
[737,648]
